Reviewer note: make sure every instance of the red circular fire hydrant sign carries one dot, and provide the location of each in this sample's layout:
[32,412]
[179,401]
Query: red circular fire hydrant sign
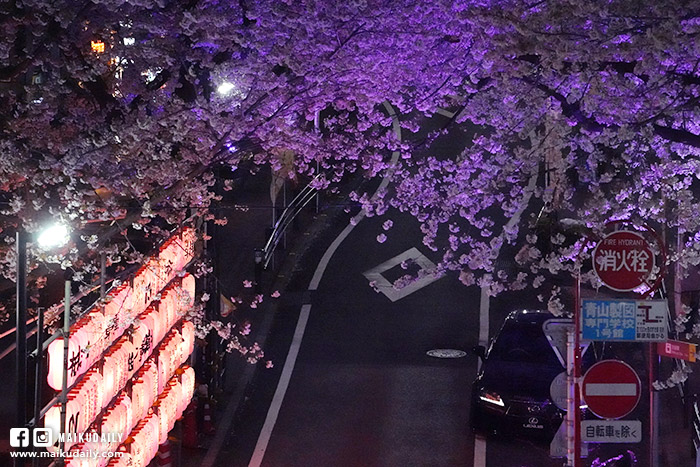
[623,260]
[611,389]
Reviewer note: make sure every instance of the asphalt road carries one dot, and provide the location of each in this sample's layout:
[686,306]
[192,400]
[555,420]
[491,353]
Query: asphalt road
[362,391]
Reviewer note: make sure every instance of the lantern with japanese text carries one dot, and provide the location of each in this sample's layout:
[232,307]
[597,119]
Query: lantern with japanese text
[142,339]
[77,341]
[187,387]
[132,336]
[115,367]
[74,420]
[123,460]
[144,390]
[145,444]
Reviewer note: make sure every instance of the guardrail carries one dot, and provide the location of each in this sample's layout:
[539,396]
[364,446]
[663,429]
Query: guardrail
[290,212]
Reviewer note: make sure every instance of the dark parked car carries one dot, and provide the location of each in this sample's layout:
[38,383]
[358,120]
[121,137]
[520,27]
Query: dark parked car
[511,393]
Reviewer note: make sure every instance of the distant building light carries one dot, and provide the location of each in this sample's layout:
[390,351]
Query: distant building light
[225,88]
[129,41]
[97,46]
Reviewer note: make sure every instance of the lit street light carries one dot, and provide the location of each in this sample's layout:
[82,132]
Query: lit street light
[53,237]
[225,88]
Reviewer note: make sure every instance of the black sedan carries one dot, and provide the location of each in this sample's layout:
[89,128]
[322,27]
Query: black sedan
[511,393]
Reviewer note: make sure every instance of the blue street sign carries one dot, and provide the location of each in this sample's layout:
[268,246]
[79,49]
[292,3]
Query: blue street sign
[624,320]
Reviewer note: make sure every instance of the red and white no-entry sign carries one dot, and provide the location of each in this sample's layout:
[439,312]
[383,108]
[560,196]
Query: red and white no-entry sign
[611,389]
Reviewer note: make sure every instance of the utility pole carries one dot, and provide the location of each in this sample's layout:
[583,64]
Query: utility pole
[21,332]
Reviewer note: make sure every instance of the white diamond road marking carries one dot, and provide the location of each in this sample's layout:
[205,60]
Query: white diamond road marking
[387,288]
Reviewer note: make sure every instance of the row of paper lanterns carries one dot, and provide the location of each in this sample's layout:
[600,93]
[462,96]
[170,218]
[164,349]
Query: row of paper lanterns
[145,433]
[95,332]
[90,396]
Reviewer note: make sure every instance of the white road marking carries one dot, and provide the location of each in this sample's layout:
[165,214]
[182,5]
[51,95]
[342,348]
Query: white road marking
[387,288]
[483,319]
[610,389]
[273,411]
[479,451]
[282,386]
[484,302]
[445,113]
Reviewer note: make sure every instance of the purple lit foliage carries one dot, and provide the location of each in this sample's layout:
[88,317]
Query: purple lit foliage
[606,94]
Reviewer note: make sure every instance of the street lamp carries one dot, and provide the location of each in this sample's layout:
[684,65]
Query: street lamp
[55,236]
[225,88]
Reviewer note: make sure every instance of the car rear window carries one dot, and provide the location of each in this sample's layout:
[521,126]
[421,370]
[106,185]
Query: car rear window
[523,343]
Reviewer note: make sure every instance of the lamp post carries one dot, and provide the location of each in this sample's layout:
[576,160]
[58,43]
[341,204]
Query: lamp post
[21,332]
[54,236]
[57,236]
[38,373]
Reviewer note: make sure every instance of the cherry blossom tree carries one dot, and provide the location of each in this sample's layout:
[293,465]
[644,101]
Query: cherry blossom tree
[118,111]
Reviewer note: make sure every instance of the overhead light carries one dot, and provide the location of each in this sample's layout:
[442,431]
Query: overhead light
[53,237]
[225,88]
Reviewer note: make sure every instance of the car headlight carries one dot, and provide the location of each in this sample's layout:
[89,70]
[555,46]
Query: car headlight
[491,398]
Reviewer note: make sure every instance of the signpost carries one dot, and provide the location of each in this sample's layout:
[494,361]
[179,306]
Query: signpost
[623,260]
[677,349]
[611,389]
[624,320]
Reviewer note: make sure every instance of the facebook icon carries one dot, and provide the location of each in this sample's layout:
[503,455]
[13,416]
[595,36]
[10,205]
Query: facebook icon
[19,437]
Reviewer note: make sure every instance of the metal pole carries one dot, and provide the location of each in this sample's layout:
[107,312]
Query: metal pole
[653,411]
[64,386]
[21,333]
[570,406]
[317,126]
[103,275]
[284,206]
[38,372]
[577,368]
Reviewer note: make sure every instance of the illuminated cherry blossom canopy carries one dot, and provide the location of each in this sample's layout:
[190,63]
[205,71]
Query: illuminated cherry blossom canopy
[605,93]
